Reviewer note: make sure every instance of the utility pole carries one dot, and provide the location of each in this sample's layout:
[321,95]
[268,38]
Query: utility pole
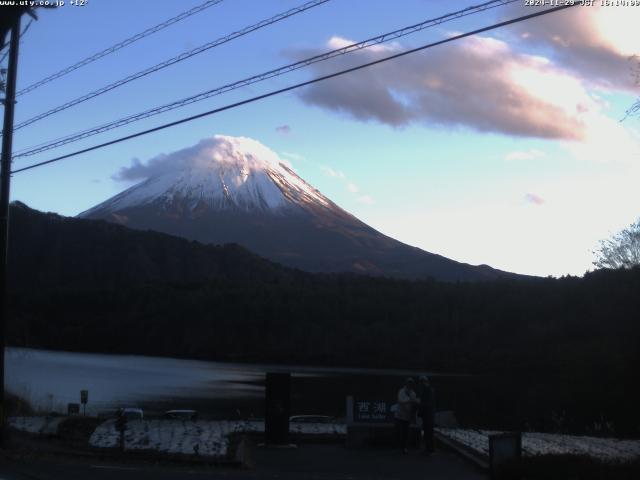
[5,181]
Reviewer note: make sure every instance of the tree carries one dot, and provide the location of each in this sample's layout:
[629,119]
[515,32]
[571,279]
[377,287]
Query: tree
[634,109]
[622,250]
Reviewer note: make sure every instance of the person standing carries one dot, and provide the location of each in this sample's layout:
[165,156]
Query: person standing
[407,403]
[426,410]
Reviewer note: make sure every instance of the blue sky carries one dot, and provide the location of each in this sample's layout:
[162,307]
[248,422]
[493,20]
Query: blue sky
[504,149]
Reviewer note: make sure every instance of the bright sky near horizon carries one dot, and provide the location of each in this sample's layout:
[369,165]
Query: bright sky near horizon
[504,149]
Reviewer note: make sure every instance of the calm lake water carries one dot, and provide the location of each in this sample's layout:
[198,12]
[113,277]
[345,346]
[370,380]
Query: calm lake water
[50,380]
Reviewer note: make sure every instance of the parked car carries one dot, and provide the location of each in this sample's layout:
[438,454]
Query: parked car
[311,419]
[181,414]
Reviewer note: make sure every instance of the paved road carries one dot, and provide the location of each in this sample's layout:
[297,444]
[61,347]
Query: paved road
[317,462]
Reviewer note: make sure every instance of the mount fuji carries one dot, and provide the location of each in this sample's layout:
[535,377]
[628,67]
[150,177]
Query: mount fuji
[236,190]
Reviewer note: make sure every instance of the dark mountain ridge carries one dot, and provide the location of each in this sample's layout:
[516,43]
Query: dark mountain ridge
[49,250]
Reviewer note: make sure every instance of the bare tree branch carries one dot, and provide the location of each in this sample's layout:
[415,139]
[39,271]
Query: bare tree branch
[622,250]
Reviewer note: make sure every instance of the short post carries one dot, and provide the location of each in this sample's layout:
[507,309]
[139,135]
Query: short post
[350,409]
[277,408]
[505,455]
[121,426]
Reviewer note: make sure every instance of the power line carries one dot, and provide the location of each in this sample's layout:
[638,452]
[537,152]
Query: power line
[632,110]
[296,86]
[260,77]
[174,60]
[120,45]
[23,32]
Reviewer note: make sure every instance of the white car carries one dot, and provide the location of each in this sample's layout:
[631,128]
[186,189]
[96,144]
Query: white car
[181,414]
[311,419]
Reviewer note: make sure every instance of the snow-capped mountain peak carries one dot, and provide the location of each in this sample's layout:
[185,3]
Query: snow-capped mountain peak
[221,172]
[236,190]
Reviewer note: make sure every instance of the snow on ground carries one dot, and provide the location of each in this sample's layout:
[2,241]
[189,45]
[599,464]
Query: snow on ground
[537,444]
[207,438]
[41,425]
[317,428]
[211,438]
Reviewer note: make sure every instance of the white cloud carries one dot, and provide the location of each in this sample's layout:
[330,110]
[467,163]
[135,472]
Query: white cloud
[366,199]
[593,42]
[489,85]
[606,140]
[337,42]
[293,156]
[519,155]
[534,199]
[333,173]
[480,82]
[352,187]
[219,148]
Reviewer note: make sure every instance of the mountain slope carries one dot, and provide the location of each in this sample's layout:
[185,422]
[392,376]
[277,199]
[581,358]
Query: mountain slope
[49,251]
[235,190]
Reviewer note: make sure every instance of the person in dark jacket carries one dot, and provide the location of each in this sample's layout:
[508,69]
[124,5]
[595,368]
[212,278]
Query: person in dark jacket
[426,410]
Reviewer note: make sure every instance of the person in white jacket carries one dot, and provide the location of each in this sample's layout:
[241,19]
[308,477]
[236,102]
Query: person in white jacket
[405,411]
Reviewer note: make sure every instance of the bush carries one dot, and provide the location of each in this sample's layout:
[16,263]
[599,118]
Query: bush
[16,406]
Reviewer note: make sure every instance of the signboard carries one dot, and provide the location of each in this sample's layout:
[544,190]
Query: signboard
[367,410]
[84,396]
[73,408]
[277,408]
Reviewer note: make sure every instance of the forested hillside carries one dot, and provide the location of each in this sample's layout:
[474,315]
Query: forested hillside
[90,286]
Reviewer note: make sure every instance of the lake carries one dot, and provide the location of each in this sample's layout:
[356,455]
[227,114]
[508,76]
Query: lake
[50,380]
